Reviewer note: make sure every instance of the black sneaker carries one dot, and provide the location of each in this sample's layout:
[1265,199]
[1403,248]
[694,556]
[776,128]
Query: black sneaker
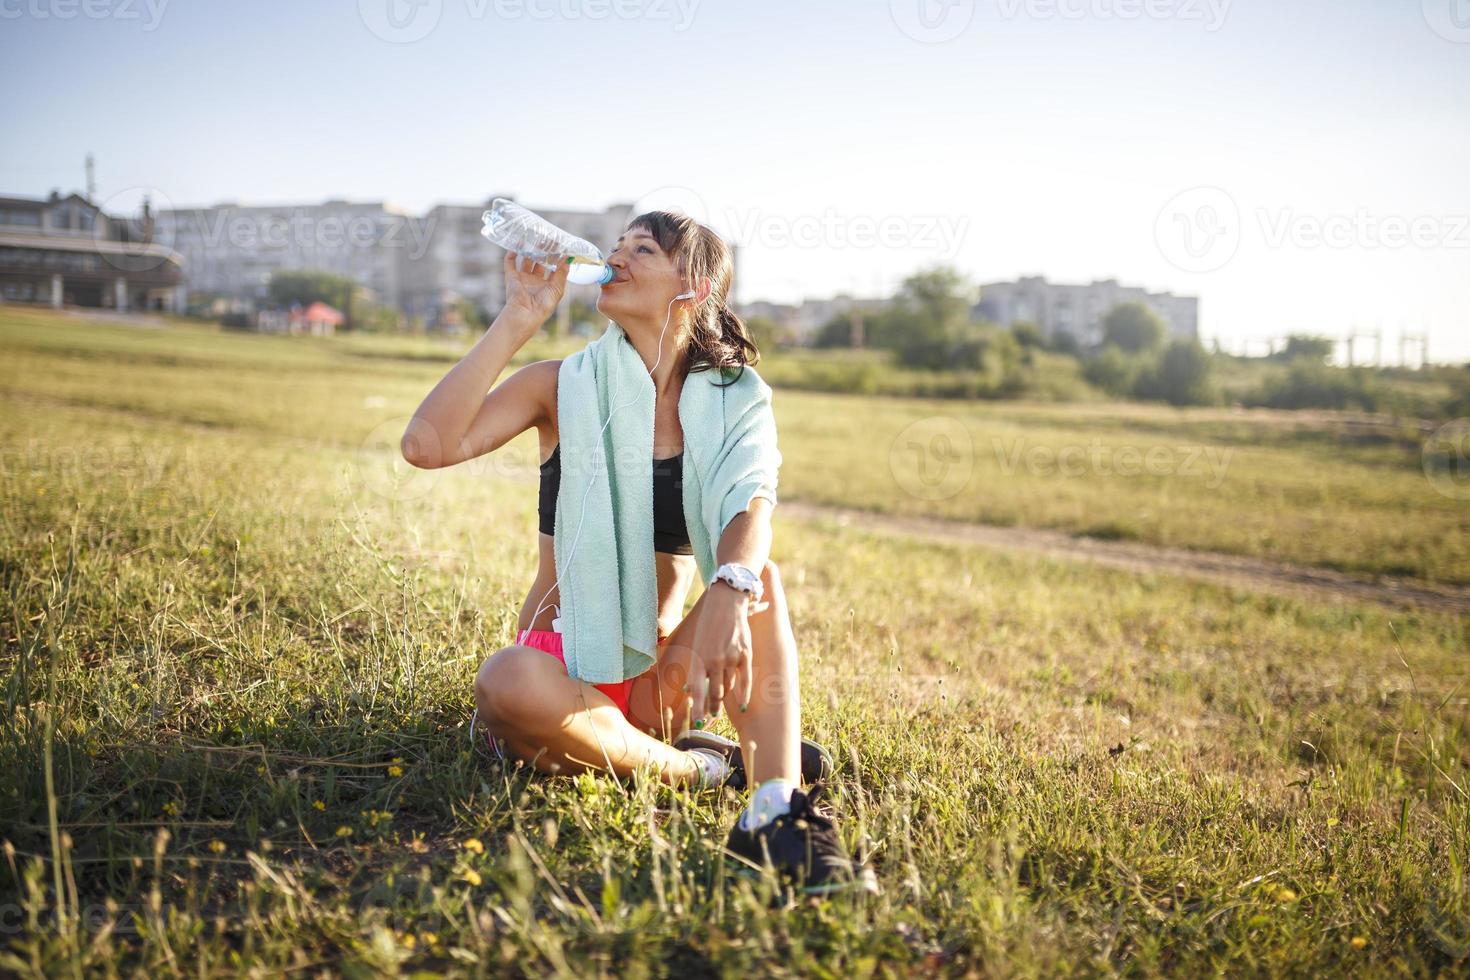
[803,848]
[816,761]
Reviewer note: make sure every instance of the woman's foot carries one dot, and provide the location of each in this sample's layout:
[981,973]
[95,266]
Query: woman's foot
[816,761]
[802,846]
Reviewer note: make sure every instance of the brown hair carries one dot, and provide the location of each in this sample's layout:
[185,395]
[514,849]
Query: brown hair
[718,338]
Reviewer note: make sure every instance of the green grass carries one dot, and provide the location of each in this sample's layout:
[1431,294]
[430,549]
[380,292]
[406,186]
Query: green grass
[214,623]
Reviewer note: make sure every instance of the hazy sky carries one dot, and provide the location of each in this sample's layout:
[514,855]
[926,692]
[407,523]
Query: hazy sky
[1299,165]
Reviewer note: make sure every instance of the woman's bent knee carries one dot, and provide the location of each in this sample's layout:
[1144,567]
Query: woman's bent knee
[505,686]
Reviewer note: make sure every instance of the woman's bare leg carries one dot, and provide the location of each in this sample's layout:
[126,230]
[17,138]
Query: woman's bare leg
[770,728]
[563,725]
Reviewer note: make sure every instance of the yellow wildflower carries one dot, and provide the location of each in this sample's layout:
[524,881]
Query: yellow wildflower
[472,876]
[318,804]
[1358,942]
[474,845]
[344,831]
[395,771]
[217,846]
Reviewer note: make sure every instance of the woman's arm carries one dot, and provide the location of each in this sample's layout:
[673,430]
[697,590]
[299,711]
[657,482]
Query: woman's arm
[458,420]
[722,634]
[746,541]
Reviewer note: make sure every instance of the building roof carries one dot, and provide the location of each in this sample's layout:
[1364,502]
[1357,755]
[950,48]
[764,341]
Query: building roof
[37,203]
[88,243]
[320,312]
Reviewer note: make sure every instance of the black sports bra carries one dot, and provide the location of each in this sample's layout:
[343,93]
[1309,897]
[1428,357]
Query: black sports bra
[670,532]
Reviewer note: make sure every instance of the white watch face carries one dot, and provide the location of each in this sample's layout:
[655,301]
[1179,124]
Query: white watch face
[741,579]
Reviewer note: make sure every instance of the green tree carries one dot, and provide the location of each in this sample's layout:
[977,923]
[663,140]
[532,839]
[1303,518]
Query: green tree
[1063,342]
[1457,405]
[1304,347]
[766,333]
[996,355]
[306,286]
[1311,385]
[1113,370]
[471,315]
[1133,327]
[929,321]
[1180,376]
[1027,334]
[836,332]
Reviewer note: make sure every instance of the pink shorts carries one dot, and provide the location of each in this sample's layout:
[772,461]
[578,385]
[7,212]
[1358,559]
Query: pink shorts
[550,641]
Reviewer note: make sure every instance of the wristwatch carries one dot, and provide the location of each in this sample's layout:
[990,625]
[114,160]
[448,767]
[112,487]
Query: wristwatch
[742,578]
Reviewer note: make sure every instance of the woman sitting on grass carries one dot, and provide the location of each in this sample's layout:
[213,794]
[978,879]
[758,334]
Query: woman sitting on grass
[736,645]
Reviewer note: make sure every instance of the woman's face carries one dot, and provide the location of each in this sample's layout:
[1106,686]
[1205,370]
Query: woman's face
[645,279]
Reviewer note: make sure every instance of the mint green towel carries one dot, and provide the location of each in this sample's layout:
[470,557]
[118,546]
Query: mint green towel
[609,588]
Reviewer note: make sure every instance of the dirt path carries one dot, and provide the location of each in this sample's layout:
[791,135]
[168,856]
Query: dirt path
[1252,573]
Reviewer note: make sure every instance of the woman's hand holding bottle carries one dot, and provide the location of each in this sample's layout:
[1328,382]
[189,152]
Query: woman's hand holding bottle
[531,294]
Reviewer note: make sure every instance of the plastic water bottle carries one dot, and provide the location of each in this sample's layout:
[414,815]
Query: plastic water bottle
[524,232]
